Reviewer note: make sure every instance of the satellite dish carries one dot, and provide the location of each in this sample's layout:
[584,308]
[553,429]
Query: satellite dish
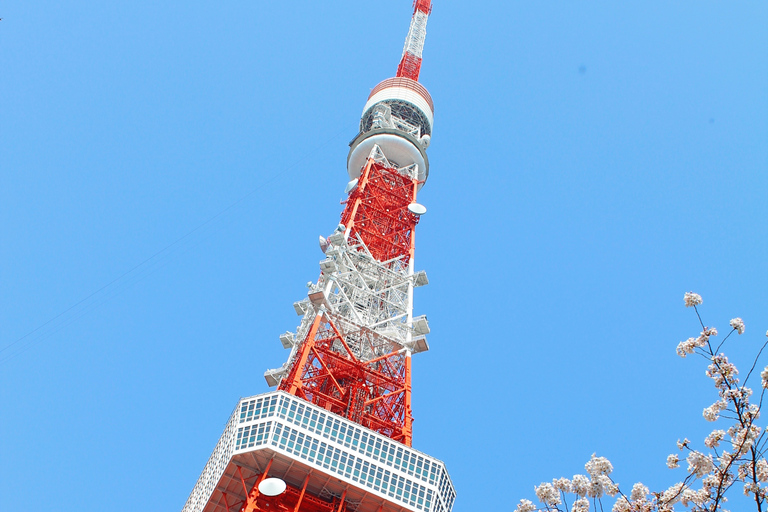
[272,487]
[417,209]
[323,244]
[351,186]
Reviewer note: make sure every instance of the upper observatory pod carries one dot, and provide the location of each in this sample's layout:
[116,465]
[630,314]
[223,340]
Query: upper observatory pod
[399,113]
[398,116]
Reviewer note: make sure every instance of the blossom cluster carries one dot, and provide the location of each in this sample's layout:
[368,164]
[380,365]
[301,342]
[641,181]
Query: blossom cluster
[692,299]
[738,324]
[736,453]
[594,485]
[690,345]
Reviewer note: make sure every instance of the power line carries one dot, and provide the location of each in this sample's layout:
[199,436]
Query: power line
[143,269]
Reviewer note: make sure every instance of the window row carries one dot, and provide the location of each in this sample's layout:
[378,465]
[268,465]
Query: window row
[446,490]
[354,468]
[390,453]
[258,408]
[253,435]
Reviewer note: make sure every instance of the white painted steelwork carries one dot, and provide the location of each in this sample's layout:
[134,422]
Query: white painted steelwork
[369,301]
[417,34]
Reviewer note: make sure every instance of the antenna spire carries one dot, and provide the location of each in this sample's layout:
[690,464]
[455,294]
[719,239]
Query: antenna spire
[410,63]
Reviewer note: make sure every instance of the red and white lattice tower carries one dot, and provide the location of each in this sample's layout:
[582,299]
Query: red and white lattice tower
[337,433]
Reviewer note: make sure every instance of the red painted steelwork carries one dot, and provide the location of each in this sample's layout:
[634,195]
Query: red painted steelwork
[377,210]
[424,6]
[293,499]
[409,67]
[374,393]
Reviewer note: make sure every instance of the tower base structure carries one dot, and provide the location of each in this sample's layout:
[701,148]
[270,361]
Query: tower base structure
[329,464]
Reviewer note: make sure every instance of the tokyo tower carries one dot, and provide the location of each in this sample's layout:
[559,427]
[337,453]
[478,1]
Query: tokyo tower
[337,433]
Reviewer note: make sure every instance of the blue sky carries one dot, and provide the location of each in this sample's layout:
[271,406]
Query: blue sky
[591,162]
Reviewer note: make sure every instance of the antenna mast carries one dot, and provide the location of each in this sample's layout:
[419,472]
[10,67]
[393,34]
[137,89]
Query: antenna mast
[410,63]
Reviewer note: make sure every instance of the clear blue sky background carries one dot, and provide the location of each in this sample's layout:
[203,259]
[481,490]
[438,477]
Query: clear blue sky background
[591,162]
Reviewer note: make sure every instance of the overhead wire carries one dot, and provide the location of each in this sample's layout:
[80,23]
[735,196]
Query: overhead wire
[145,268]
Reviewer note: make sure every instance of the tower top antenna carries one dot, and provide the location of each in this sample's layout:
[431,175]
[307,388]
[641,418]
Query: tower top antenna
[410,63]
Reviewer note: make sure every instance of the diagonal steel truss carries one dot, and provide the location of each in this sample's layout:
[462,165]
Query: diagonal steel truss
[351,353]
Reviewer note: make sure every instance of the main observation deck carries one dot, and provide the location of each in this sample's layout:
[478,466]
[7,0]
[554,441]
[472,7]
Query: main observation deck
[333,455]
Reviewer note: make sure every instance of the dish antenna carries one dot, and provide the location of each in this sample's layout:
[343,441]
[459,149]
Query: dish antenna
[417,209]
[323,244]
[351,186]
[272,487]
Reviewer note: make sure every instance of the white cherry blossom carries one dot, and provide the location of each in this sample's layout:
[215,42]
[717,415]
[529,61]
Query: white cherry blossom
[639,492]
[547,494]
[562,485]
[580,485]
[713,439]
[673,494]
[686,347]
[621,505]
[598,466]
[699,464]
[692,299]
[738,324]
[761,469]
[525,506]
[581,505]
[673,461]
[715,468]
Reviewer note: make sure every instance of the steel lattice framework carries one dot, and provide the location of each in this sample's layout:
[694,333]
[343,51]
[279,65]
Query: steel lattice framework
[339,429]
[354,359]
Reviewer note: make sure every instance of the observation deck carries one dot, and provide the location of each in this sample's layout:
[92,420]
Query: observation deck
[334,456]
